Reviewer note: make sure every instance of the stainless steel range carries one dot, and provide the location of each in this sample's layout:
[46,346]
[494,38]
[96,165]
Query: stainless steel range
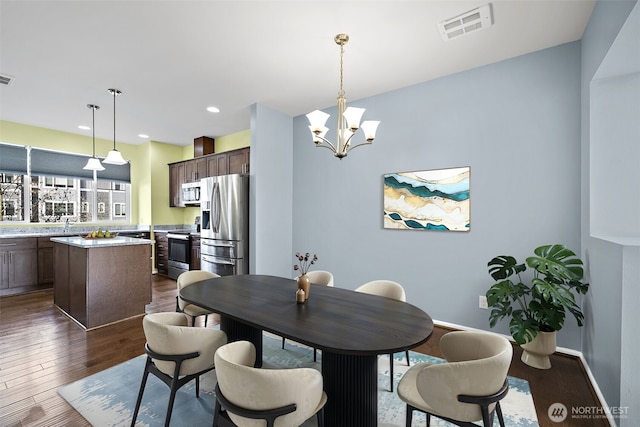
[179,253]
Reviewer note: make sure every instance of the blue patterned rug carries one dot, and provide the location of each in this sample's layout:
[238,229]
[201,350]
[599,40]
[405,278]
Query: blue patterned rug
[108,397]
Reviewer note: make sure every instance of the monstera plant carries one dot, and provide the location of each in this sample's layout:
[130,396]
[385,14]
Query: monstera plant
[541,303]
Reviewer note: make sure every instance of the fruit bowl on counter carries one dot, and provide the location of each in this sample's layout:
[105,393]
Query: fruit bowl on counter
[99,234]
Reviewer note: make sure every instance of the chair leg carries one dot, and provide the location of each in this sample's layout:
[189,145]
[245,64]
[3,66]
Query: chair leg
[216,413]
[407,354]
[145,375]
[206,317]
[283,343]
[315,354]
[499,412]
[172,398]
[409,416]
[197,386]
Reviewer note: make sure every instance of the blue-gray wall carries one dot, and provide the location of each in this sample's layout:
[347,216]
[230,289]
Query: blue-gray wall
[515,123]
[611,200]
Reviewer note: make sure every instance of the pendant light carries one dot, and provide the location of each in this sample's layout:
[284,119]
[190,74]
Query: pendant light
[114,157]
[348,119]
[93,163]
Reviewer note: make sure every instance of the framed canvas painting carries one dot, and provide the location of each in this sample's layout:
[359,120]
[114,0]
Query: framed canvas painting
[427,200]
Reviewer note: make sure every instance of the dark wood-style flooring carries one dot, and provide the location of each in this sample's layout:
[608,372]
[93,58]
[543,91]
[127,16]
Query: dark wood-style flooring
[41,350]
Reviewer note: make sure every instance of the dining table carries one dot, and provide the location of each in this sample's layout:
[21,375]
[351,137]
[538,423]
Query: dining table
[350,328]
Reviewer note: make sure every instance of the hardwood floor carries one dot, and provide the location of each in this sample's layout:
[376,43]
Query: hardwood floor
[41,349]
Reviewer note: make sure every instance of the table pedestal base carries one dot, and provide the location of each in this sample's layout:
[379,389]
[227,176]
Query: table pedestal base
[237,331]
[351,384]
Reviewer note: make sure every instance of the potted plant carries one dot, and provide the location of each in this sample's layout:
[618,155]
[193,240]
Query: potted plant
[537,309]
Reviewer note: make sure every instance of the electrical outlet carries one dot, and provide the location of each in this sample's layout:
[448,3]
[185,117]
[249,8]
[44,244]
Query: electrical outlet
[482,302]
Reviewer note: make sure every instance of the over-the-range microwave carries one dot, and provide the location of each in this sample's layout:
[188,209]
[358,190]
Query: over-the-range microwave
[191,193]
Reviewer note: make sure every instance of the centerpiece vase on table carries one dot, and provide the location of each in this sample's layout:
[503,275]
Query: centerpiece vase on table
[305,284]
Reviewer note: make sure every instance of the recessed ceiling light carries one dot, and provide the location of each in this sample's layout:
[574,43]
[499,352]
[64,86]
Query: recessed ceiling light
[142,135]
[213,109]
[83,127]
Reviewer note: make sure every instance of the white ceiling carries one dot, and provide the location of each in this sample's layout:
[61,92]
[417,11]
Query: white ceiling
[172,59]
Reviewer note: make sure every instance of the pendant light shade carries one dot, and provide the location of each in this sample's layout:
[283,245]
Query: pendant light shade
[114,157]
[93,163]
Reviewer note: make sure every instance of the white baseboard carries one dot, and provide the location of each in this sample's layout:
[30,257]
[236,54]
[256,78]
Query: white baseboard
[563,350]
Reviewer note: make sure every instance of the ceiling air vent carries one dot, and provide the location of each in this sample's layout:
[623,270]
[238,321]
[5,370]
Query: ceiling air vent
[476,19]
[6,80]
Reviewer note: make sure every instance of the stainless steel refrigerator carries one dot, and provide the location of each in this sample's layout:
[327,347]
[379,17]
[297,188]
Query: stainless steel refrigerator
[224,230]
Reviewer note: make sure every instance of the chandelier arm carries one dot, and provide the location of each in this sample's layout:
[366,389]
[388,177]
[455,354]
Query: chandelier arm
[358,145]
[324,140]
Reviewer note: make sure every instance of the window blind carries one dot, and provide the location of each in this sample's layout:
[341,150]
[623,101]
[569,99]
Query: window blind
[55,163]
[13,159]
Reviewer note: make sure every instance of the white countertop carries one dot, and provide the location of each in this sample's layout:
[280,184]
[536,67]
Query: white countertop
[81,242]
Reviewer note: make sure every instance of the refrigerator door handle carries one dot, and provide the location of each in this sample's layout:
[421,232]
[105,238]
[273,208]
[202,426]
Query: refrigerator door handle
[216,205]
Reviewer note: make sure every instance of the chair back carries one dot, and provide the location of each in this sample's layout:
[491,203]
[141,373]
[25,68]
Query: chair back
[168,334]
[384,288]
[189,277]
[320,277]
[263,389]
[477,365]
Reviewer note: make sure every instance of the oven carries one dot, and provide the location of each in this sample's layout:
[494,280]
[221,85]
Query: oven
[223,257]
[179,254]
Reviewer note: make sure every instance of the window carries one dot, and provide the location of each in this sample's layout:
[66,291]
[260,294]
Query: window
[12,197]
[119,209]
[48,195]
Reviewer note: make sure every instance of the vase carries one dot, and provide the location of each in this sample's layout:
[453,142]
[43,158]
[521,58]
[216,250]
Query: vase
[536,352]
[305,284]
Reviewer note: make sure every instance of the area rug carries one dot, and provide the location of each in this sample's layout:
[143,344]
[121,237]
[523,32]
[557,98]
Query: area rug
[108,397]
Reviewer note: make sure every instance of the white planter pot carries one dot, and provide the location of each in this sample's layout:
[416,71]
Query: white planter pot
[536,352]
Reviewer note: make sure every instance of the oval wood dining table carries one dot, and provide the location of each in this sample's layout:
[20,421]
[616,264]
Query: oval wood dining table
[351,329]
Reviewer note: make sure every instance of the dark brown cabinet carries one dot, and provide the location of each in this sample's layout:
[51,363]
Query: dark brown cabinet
[195,170]
[176,179]
[45,261]
[238,161]
[195,253]
[18,262]
[162,252]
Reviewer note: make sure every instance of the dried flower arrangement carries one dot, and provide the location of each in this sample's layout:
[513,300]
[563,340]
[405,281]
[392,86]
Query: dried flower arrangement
[304,262]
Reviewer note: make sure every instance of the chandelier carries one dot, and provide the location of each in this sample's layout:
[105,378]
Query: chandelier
[348,119]
[114,157]
[93,163]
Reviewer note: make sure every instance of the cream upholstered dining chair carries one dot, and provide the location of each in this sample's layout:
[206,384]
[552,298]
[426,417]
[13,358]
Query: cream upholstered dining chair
[185,279]
[389,289]
[468,387]
[249,396]
[177,354]
[317,277]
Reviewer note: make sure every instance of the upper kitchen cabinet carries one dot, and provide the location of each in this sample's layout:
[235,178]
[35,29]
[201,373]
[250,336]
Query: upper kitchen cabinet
[195,170]
[176,179]
[238,161]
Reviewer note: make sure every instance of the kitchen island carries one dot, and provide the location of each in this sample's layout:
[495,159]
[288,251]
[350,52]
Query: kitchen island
[102,281]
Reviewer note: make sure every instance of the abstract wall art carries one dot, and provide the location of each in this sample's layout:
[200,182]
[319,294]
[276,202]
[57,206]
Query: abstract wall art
[427,200]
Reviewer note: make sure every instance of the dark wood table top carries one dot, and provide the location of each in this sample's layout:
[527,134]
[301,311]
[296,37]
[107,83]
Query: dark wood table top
[332,319]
